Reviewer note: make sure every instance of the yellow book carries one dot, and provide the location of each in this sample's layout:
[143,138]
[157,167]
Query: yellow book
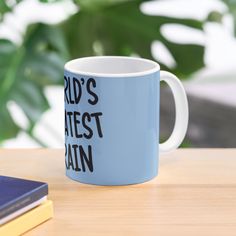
[28,220]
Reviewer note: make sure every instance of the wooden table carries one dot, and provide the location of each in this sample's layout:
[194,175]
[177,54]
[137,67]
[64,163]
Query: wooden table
[194,194]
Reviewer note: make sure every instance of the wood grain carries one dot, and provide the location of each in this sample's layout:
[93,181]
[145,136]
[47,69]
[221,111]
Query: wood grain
[194,194]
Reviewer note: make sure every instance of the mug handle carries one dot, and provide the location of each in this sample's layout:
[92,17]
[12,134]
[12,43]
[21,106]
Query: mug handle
[181,112]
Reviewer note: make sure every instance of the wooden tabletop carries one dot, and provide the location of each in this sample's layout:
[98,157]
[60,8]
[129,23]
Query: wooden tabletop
[194,194]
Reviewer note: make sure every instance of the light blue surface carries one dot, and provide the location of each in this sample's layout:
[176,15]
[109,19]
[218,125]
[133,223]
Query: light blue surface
[128,151]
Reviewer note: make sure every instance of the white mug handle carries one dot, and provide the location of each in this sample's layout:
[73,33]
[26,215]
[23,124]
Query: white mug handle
[181,112]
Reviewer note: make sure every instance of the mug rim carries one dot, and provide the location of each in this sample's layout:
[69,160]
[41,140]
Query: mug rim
[70,64]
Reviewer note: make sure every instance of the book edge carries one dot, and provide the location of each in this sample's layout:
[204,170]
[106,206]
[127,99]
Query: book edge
[34,195]
[29,220]
[21,211]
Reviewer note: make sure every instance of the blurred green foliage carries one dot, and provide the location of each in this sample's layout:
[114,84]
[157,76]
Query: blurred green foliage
[232,10]
[102,27]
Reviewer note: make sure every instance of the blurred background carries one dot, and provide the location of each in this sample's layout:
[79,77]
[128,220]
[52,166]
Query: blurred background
[195,39]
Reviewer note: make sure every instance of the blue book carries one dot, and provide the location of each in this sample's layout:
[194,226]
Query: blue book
[16,194]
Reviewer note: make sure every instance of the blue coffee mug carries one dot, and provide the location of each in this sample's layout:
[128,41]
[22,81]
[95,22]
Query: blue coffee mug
[112,119]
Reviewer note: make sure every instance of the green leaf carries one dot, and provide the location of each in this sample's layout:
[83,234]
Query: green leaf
[189,58]
[91,5]
[26,70]
[232,10]
[122,29]
[31,99]
[49,1]
[215,16]
[101,27]
[4,7]
[8,128]
[7,6]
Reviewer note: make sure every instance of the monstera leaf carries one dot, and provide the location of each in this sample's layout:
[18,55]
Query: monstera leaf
[25,71]
[120,28]
[101,27]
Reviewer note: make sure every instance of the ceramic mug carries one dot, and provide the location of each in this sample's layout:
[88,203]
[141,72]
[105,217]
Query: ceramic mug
[112,119]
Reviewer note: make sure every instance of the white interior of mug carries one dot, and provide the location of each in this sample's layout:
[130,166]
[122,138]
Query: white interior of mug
[112,66]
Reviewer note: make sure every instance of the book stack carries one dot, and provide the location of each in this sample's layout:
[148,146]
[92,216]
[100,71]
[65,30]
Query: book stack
[23,205]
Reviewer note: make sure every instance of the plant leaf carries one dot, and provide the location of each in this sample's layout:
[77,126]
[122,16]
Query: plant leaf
[8,128]
[122,29]
[25,70]
[7,6]
[232,10]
